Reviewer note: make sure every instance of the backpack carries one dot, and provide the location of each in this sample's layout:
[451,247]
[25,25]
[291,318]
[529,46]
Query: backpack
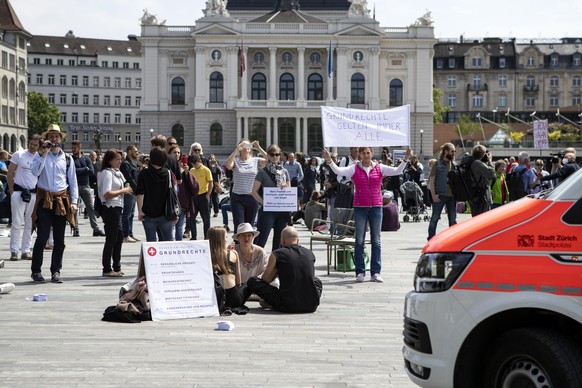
[461,180]
[514,183]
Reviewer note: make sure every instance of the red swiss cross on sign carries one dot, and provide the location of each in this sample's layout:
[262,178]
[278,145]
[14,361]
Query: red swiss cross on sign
[152,251]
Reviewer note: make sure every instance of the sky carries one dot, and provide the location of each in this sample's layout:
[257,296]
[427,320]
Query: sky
[116,19]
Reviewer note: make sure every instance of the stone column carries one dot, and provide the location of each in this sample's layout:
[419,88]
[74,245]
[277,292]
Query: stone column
[231,79]
[244,81]
[200,100]
[276,130]
[272,81]
[329,79]
[239,130]
[268,137]
[297,134]
[342,77]
[374,80]
[300,74]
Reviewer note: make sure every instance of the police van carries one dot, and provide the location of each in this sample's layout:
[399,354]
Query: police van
[497,299]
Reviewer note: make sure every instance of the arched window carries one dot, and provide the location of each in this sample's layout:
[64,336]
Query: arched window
[259,87]
[5,87]
[216,87]
[315,87]
[358,89]
[178,91]
[21,91]
[216,134]
[178,133]
[12,89]
[286,87]
[395,92]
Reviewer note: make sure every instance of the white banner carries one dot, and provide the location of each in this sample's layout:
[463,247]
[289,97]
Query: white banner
[282,199]
[180,279]
[365,128]
[540,132]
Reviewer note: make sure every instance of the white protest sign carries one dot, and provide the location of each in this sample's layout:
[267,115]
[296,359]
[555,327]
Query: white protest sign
[280,199]
[180,279]
[365,128]
[540,132]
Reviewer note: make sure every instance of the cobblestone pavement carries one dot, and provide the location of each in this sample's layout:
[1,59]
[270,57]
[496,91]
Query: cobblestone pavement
[354,338]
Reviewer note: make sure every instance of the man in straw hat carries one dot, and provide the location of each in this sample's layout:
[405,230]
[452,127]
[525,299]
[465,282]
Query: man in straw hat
[56,201]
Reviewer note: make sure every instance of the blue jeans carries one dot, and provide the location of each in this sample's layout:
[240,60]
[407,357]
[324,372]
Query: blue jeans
[179,227]
[152,225]
[437,209]
[373,217]
[244,209]
[127,215]
[276,221]
[225,208]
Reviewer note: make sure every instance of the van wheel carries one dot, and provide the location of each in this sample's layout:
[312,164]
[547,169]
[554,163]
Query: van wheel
[534,357]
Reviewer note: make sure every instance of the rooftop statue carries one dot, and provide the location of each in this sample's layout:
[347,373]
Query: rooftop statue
[216,8]
[150,20]
[359,7]
[425,20]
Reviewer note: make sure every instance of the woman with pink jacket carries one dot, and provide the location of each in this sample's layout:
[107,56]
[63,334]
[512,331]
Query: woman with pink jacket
[366,176]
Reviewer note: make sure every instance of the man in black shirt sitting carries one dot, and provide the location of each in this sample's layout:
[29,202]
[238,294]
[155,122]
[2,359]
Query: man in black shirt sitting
[299,289]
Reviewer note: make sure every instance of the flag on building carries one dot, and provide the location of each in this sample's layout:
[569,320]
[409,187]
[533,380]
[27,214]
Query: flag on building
[243,61]
[329,61]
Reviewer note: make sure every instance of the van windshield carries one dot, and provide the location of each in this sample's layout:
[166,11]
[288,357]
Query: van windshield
[569,190]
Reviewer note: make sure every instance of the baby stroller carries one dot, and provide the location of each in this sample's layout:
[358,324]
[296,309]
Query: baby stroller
[412,202]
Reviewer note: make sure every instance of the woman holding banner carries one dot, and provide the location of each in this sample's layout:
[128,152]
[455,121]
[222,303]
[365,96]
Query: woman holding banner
[366,176]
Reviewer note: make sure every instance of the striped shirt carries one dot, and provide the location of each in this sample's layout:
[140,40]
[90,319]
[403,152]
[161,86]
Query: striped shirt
[243,175]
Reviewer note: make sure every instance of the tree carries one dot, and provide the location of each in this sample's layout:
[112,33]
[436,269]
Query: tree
[41,113]
[439,109]
[467,127]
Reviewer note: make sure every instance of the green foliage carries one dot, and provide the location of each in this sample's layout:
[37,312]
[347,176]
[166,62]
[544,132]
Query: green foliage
[439,109]
[41,113]
[516,136]
[554,135]
[467,126]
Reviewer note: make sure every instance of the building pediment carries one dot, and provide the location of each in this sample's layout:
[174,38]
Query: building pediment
[359,30]
[215,29]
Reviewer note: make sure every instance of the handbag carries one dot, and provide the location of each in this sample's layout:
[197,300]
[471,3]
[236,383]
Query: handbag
[172,204]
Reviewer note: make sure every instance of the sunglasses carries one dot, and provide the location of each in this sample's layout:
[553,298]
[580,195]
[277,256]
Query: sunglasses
[172,144]
[196,150]
[273,155]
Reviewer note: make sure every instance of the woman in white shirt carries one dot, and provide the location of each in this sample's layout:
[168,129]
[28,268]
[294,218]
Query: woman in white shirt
[245,167]
[110,183]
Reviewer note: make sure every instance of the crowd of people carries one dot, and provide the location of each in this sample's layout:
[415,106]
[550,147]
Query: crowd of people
[46,185]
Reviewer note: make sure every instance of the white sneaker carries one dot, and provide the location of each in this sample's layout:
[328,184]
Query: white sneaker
[360,277]
[128,239]
[6,288]
[377,278]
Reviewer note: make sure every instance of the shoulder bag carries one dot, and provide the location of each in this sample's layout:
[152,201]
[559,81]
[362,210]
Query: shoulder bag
[172,204]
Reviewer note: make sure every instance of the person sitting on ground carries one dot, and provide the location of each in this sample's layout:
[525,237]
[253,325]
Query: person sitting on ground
[253,259]
[300,289]
[390,221]
[313,209]
[225,263]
